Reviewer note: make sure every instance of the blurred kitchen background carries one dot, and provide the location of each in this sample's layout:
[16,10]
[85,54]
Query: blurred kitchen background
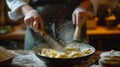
[102,33]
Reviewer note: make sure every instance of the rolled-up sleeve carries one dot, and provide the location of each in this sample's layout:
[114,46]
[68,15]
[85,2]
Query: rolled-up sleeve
[14,5]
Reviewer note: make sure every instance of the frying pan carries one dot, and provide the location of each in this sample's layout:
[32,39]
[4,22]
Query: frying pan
[64,62]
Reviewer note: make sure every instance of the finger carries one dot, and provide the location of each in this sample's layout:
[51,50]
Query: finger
[41,23]
[74,19]
[31,25]
[28,21]
[78,19]
[37,23]
[35,26]
[34,23]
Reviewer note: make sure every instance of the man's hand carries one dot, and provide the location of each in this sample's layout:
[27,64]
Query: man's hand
[33,20]
[80,15]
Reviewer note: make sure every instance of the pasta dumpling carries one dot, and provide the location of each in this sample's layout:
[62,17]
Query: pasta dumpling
[72,52]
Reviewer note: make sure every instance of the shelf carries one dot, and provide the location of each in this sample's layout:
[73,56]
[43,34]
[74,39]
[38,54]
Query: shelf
[103,31]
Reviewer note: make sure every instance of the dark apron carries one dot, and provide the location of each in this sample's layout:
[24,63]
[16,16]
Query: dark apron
[57,20]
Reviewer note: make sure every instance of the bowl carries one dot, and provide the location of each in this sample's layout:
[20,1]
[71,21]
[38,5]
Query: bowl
[6,63]
[6,57]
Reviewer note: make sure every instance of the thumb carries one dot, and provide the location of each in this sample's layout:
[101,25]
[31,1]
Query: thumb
[35,26]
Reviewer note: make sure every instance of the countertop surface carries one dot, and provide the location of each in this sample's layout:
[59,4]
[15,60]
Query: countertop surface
[25,58]
[100,30]
[18,32]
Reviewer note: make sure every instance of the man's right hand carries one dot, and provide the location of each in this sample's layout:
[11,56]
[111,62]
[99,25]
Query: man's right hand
[32,18]
[80,15]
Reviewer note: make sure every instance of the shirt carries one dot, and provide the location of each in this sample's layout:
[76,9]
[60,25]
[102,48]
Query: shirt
[15,5]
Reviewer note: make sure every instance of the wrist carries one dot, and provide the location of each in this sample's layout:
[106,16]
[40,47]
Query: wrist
[25,9]
[31,12]
[80,9]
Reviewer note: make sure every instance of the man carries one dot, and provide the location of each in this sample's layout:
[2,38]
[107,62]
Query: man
[52,16]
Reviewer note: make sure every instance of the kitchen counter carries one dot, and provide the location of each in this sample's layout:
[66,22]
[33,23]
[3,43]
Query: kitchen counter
[100,30]
[19,33]
[26,58]
[104,39]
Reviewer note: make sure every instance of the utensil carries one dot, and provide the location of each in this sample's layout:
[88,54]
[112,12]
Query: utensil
[80,32]
[51,42]
[77,33]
